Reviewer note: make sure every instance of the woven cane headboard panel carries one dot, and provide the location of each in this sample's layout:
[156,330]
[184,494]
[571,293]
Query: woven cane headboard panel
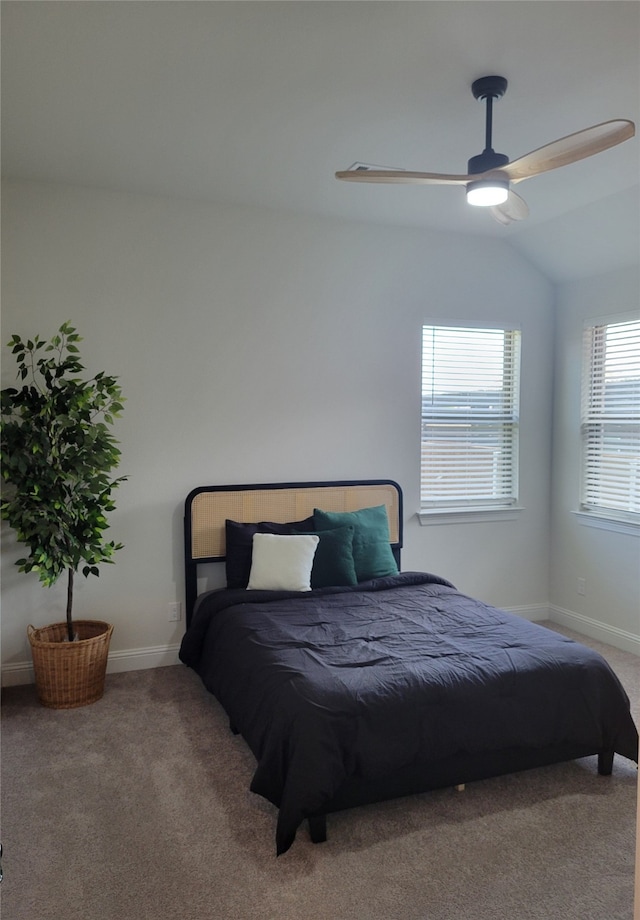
[208,507]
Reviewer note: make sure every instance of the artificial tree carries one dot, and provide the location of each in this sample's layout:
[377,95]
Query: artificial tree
[57,455]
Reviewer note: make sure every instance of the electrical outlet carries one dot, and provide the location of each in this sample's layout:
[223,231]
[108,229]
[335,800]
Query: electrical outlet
[175,611]
[582,586]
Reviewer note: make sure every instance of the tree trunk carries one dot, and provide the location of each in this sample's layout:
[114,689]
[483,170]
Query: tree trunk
[69,605]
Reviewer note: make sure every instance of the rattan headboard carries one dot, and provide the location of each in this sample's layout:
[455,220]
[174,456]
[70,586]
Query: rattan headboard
[208,507]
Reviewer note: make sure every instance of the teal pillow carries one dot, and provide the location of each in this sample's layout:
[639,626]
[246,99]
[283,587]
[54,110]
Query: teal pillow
[372,552]
[333,561]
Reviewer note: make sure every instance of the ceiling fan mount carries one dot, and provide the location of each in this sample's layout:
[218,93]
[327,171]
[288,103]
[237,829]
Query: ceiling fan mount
[490,175]
[489,88]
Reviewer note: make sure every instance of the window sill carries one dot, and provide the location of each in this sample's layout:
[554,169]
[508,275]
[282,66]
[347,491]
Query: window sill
[590,519]
[468,515]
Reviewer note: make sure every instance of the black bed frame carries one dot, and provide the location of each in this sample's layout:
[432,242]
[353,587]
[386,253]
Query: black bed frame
[456,771]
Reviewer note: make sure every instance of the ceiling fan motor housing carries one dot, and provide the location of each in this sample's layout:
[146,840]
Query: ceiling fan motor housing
[486,160]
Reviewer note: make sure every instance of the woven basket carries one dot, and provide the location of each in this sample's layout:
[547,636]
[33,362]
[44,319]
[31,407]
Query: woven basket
[70,674]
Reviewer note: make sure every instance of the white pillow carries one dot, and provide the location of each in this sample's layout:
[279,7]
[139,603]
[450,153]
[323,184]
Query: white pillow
[282,562]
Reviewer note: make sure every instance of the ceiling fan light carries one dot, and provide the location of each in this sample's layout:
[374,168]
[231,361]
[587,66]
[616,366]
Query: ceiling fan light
[486,193]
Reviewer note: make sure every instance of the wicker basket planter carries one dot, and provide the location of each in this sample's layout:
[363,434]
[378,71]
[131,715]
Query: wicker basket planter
[70,674]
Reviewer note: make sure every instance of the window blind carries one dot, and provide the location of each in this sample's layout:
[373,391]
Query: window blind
[470,411]
[610,423]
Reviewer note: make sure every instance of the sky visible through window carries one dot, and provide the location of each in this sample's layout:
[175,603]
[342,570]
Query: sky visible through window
[626,356]
[461,360]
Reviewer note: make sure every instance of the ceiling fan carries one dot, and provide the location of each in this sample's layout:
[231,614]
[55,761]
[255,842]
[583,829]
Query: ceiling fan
[490,175]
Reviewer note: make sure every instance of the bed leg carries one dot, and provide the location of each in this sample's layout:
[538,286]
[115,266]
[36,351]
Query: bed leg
[460,787]
[605,763]
[318,828]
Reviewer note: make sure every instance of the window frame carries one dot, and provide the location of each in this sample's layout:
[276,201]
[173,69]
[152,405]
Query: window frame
[469,509]
[593,334]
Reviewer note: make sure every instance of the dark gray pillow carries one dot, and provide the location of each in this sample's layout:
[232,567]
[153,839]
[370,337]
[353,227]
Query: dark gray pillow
[239,542]
[333,561]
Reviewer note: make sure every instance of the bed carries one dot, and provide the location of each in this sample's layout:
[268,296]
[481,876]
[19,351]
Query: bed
[353,682]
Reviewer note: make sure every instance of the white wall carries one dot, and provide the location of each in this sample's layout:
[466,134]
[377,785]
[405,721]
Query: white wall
[258,346]
[608,561]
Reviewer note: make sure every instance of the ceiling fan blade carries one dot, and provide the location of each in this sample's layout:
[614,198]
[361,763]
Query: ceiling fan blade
[570,149]
[401,176]
[514,208]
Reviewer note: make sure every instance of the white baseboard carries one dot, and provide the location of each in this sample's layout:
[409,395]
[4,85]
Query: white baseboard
[533,612]
[137,659]
[594,629]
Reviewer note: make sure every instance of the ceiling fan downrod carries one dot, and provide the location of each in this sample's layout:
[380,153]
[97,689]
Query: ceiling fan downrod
[488,88]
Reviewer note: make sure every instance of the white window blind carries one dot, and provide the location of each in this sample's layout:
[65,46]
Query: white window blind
[611,419]
[470,410]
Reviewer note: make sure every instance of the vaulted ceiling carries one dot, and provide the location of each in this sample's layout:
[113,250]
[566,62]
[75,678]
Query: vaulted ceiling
[259,103]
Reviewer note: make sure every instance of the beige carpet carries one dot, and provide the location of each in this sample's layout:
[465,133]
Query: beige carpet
[137,808]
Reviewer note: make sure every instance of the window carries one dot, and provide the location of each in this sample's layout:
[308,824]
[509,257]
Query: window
[611,420]
[470,395]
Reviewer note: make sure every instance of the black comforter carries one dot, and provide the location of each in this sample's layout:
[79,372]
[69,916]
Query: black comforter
[360,682]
